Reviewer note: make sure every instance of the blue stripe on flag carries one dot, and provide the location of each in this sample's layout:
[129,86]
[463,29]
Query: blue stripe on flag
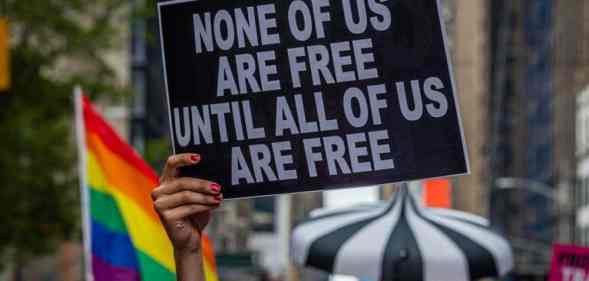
[114,248]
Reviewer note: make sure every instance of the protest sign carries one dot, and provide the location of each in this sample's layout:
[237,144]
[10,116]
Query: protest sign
[569,263]
[301,95]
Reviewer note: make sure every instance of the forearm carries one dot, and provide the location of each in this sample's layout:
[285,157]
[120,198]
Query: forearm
[189,266]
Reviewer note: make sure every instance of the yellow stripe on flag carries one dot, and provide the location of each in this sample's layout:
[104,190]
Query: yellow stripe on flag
[95,177]
[147,235]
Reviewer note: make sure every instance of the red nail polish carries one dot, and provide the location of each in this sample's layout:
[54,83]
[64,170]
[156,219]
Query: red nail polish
[195,158]
[215,187]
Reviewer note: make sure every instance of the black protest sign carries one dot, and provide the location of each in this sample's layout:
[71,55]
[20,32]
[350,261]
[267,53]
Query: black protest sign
[299,95]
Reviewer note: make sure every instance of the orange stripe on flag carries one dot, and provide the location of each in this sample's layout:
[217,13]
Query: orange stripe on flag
[208,256]
[121,175]
[4,55]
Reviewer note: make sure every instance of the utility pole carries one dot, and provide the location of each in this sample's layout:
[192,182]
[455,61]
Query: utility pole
[284,226]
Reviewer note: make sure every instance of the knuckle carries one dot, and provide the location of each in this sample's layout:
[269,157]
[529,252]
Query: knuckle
[185,196]
[200,184]
[158,205]
[191,184]
[204,183]
[172,162]
[175,185]
[154,194]
[194,208]
[202,198]
[183,182]
[210,199]
[167,215]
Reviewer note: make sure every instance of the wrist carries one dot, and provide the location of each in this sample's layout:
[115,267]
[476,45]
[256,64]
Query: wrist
[181,254]
[188,264]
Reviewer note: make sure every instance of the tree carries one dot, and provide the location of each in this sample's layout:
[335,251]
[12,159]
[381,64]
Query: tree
[55,45]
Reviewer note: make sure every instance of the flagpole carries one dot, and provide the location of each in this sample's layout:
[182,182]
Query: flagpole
[85,204]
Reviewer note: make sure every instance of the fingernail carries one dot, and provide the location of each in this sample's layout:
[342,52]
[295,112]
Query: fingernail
[195,158]
[215,187]
[219,197]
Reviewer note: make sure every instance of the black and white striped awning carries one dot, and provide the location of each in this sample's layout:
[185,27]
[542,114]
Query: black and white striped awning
[402,241]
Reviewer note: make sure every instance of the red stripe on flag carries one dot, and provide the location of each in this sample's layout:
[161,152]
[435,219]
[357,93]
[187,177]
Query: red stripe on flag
[95,124]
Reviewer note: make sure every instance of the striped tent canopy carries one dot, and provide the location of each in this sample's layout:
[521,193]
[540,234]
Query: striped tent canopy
[402,240]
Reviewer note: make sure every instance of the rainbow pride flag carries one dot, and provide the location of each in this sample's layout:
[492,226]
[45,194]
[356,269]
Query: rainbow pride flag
[123,237]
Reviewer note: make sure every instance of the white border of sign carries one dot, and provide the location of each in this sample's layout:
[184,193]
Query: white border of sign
[448,59]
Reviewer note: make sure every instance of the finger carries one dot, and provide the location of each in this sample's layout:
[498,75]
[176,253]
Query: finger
[185,211]
[185,198]
[176,161]
[186,184]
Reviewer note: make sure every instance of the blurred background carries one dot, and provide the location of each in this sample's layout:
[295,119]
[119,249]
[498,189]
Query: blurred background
[522,74]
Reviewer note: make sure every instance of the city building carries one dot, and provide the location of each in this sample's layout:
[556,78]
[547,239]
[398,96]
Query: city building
[582,152]
[570,78]
[518,66]
[468,38]
[571,81]
[521,122]
[532,106]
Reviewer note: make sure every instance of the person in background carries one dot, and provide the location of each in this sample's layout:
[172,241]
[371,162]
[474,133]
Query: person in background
[184,206]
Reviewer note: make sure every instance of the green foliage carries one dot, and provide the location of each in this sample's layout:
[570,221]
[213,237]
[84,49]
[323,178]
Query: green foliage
[156,152]
[55,45]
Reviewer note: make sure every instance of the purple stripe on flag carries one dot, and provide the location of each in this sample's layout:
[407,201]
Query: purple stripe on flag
[104,271]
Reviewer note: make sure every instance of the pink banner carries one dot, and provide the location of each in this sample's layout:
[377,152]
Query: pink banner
[569,263]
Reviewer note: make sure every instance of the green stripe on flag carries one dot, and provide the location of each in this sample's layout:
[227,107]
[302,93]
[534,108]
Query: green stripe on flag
[104,209]
[152,270]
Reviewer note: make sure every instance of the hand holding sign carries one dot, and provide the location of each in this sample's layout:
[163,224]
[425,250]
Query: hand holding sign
[184,204]
[291,96]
